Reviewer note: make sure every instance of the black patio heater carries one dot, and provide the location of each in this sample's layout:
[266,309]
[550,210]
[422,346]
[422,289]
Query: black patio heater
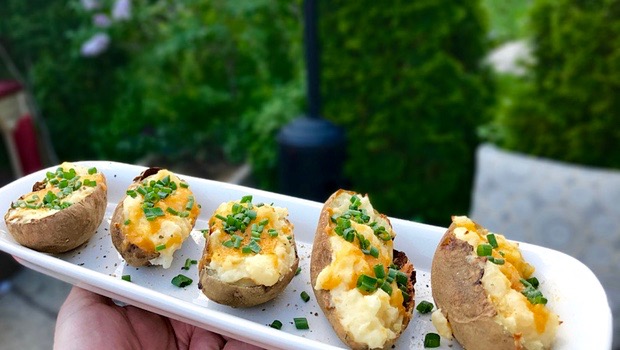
[311,150]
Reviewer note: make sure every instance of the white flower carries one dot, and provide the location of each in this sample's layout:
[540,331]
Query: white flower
[94,46]
[121,10]
[90,5]
[101,20]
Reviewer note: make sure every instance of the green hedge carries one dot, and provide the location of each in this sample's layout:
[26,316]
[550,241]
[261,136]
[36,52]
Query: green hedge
[179,78]
[406,82]
[567,107]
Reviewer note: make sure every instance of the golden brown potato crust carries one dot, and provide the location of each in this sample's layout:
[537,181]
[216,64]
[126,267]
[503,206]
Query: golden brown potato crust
[66,229]
[457,290]
[322,257]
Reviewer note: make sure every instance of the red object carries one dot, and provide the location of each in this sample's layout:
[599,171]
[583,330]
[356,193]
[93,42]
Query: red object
[25,138]
[9,87]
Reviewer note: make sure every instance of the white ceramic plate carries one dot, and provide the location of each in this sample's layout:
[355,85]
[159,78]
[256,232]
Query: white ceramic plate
[572,289]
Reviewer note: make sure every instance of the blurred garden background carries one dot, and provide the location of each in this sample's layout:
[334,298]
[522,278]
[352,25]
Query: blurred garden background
[211,82]
[417,86]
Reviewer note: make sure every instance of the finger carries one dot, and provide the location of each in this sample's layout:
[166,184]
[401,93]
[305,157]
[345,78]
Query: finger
[234,344]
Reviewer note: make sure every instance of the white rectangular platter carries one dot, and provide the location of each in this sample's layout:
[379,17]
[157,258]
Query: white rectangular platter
[572,289]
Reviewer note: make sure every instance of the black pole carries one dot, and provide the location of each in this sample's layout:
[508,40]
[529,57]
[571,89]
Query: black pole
[311,150]
[311,43]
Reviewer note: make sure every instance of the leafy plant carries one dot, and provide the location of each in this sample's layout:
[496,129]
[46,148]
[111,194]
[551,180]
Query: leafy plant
[566,108]
[406,82]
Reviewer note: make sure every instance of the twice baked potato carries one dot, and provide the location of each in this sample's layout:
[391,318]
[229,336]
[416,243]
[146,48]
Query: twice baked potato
[250,254]
[485,293]
[363,285]
[62,212]
[154,218]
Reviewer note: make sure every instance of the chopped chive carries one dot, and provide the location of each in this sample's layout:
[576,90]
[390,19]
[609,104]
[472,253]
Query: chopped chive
[228,244]
[424,307]
[131,193]
[366,283]
[246,199]
[492,240]
[190,203]
[484,250]
[386,287]
[272,232]
[379,270]
[431,340]
[298,271]
[92,170]
[276,324]
[181,281]
[533,281]
[401,278]
[160,247]
[304,296]
[126,278]
[127,222]
[188,263]
[496,261]
[183,184]
[301,323]
[172,211]
[374,251]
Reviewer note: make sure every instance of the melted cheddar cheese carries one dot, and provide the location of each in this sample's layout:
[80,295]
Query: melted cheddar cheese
[166,233]
[265,266]
[371,318]
[535,324]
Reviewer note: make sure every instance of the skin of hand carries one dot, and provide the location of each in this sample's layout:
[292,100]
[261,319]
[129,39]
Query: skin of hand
[90,321]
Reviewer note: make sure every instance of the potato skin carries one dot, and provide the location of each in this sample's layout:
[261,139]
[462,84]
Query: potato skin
[133,255]
[321,258]
[243,293]
[66,229]
[457,290]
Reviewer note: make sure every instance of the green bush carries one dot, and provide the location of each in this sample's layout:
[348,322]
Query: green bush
[178,78]
[405,80]
[567,108]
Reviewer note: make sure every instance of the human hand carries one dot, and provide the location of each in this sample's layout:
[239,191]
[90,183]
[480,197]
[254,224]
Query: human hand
[90,321]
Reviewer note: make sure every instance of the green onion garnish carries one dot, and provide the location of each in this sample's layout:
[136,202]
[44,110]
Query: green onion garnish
[386,287]
[190,203]
[366,283]
[160,247]
[484,250]
[126,278]
[301,323]
[492,240]
[272,232]
[181,281]
[431,340]
[533,281]
[374,251]
[246,199]
[183,184]
[379,271]
[92,170]
[298,271]
[276,324]
[496,261]
[172,211]
[424,307]
[127,222]
[304,296]
[189,262]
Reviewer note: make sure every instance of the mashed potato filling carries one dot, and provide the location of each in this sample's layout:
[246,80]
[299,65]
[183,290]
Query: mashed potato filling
[164,234]
[371,318]
[68,175]
[276,256]
[535,323]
